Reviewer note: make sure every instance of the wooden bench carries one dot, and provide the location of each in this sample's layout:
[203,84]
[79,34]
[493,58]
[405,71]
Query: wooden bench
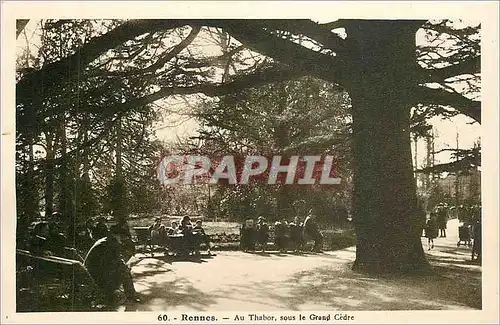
[62,277]
[143,238]
[171,243]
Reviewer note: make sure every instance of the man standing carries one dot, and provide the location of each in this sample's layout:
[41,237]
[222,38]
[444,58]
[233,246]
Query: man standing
[442,219]
[262,233]
[296,238]
[476,246]
[280,235]
[247,236]
[155,232]
[311,231]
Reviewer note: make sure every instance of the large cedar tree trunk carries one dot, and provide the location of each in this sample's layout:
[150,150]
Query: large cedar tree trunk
[388,236]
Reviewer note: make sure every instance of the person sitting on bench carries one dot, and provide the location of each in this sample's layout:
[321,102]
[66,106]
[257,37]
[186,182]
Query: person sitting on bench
[45,241]
[100,230]
[188,243]
[37,242]
[106,266]
[157,234]
[201,236]
[173,229]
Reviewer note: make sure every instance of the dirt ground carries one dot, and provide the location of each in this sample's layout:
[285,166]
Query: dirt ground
[271,282]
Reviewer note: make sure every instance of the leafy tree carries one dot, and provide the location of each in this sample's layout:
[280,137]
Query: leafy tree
[299,117]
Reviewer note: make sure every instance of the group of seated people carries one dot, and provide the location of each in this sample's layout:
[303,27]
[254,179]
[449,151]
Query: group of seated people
[287,235]
[181,239]
[102,247]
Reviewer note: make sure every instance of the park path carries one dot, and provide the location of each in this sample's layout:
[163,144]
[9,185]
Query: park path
[232,281]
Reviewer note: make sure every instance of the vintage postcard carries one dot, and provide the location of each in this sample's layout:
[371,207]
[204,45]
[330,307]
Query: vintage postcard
[249,162]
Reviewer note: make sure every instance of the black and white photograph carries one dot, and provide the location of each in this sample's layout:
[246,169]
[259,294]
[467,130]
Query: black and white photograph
[219,167]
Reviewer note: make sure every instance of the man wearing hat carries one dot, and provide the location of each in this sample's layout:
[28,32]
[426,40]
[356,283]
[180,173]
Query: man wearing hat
[100,229]
[311,231]
[442,219]
[262,233]
[248,236]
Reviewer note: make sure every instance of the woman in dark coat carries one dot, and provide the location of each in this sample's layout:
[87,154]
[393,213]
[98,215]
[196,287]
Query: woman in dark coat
[431,230]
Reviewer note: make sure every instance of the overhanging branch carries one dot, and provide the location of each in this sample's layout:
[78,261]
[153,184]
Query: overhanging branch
[469,66]
[259,78]
[20,24]
[471,108]
[252,34]
[52,74]
[462,165]
[308,28]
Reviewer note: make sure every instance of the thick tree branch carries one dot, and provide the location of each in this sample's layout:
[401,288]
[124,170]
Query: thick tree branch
[464,164]
[52,74]
[471,108]
[20,24]
[461,33]
[252,34]
[469,66]
[340,23]
[308,28]
[262,77]
[160,63]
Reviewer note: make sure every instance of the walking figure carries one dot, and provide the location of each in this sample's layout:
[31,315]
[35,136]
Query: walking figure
[442,219]
[431,230]
[476,245]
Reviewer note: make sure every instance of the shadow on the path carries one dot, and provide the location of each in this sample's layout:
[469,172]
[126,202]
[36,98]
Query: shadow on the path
[202,258]
[282,254]
[342,289]
[162,295]
[455,283]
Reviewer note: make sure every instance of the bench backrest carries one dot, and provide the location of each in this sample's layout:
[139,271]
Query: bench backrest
[143,234]
[52,266]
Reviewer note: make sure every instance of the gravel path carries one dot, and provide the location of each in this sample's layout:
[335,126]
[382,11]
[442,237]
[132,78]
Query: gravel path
[232,281]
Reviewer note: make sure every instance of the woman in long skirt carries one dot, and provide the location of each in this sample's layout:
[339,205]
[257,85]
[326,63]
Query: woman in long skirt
[431,231]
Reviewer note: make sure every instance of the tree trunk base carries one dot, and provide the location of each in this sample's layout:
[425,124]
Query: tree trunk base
[421,267]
